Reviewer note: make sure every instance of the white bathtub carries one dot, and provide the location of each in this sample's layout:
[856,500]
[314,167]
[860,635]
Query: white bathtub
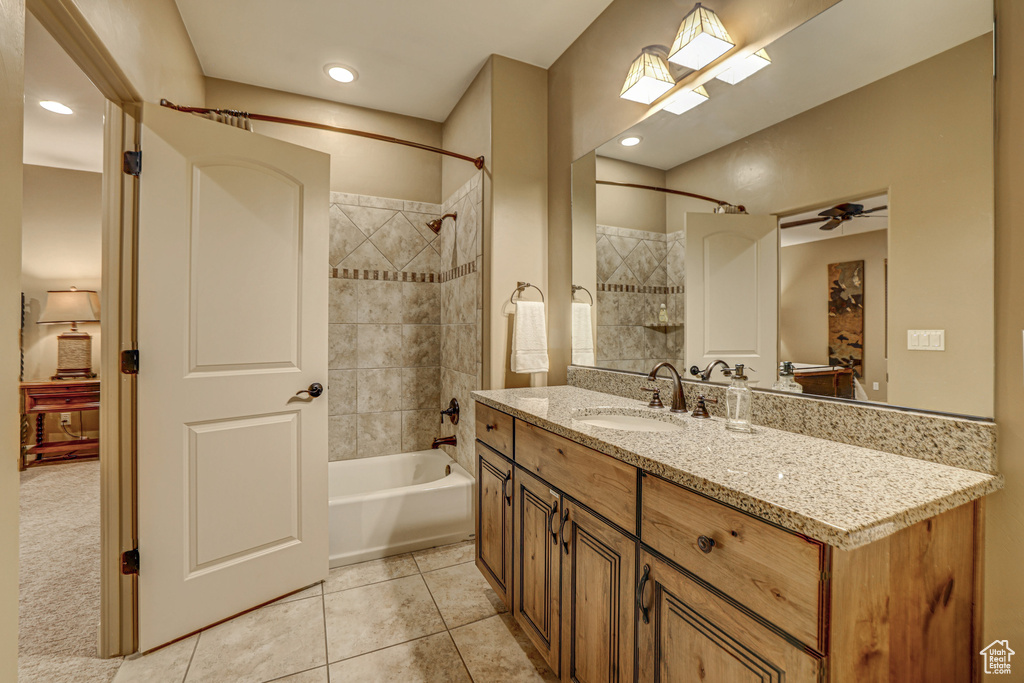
[394,504]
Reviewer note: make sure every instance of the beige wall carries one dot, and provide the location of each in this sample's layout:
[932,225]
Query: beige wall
[585,110]
[803,301]
[358,165]
[61,247]
[146,41]
[518,244]
[628,207]
[925,135]
[1004,546]
[12,93]
[467,130]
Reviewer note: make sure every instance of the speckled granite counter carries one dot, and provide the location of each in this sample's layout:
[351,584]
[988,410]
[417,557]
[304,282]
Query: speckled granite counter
[846,496]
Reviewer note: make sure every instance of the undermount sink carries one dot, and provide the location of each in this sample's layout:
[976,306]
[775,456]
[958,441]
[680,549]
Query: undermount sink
[630,422]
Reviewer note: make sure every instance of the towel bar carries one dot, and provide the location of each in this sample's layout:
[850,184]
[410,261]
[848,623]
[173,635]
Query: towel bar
[576,288]
[519,290]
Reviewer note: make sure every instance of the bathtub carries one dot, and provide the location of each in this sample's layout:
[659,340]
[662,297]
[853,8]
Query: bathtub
[394,504]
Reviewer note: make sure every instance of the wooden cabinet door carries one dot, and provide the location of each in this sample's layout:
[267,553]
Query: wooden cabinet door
[685,633]
[494,521]
[598,583]
[537,563]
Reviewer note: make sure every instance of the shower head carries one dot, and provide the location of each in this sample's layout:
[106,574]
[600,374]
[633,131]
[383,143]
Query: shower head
[435,224]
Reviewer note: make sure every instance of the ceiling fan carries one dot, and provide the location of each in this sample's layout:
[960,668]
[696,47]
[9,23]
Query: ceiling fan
[837,215]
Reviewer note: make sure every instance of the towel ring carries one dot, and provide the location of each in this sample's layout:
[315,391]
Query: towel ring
[576,288]
[519,290]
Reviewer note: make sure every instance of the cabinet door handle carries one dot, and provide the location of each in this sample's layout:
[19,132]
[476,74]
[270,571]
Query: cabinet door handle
[490,427]
[551,520]
[644,612]
[504,488]
[706,544]
[561,530]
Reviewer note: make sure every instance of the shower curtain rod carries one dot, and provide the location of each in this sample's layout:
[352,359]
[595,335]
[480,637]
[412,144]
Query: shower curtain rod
[668,191]
[478,161]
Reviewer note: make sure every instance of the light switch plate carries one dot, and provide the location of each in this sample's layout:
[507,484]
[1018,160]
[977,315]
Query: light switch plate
[926,340]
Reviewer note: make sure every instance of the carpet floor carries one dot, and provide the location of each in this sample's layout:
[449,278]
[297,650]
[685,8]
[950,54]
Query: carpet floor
[59,600]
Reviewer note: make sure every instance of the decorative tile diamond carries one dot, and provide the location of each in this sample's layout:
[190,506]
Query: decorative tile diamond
[345,236]
[368,219]
[623,245]
[642,262]
[607,259]
[398,240]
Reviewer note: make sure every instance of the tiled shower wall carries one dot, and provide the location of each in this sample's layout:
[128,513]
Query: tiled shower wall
[637,272]
[461,250]
[384,326]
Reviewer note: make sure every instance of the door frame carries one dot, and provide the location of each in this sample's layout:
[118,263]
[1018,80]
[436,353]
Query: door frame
[118,631]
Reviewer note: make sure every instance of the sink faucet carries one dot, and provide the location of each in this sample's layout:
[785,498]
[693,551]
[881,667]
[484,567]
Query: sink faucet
[678,400]
[705,374]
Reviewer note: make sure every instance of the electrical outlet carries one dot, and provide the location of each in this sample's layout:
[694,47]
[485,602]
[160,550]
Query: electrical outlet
[874,386]
[65,418]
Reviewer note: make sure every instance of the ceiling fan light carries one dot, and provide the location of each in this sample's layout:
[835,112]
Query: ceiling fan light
[685,100]
[701,39]
[746,67]
[648,78]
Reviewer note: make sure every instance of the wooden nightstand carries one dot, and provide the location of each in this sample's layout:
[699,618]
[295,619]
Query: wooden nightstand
[59,396]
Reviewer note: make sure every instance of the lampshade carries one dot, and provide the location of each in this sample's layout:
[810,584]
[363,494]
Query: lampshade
[648,77]
[701,39]
[69,306]
[745,67]
[686,100]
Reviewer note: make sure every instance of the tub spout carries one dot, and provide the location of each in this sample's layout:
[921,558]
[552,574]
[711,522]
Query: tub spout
[444,441]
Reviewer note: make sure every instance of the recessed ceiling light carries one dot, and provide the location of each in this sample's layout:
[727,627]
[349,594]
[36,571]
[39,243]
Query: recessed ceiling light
[56,107]
[342,74]
[632,141]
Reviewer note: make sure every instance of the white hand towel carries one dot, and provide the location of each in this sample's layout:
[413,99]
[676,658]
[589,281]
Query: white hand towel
[529,338]
[582,335]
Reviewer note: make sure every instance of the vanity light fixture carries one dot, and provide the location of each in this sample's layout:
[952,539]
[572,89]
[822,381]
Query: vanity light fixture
[631,141]
[648,77]
[701,39]
[56,107]
[685,100]
[342,74]
[746,67]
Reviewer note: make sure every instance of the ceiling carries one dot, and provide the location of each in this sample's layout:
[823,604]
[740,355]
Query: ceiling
[414,58]
[813,233]
[74,141]
[850,45]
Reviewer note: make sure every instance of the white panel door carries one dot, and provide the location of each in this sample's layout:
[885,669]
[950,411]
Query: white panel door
[732,292]
[232,322]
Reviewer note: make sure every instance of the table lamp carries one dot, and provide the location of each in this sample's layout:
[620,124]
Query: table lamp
[74,348]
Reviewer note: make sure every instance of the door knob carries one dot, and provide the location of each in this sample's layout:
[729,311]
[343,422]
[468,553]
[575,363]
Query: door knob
[315,389]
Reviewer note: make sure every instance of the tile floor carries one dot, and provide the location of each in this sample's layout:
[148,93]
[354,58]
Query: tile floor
[425,617]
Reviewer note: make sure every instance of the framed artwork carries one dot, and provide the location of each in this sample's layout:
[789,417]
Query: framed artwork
[846,316]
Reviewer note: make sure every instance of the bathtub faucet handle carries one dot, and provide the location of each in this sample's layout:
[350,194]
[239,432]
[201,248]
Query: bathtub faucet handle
[452,412]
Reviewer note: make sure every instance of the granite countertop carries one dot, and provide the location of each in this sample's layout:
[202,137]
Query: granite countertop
[843,495]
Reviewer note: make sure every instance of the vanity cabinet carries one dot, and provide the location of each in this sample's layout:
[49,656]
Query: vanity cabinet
[619,575]
[494,520]
[687,633]
[537,564]
[598,584]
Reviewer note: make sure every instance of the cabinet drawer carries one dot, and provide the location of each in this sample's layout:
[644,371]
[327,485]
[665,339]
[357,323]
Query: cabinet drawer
[775,573]
[79,400]
[602,483]
[494,428]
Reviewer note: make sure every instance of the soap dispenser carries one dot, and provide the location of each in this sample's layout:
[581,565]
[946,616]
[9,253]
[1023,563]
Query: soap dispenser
[739,401]
[786,381]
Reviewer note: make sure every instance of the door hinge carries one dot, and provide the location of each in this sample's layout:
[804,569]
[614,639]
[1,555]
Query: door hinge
[130,561]
[133,163]
[130,362]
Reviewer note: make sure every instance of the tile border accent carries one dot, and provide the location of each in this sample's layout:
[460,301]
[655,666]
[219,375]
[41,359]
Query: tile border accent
[944,439]
[640,289]
[389,275]
[458,271]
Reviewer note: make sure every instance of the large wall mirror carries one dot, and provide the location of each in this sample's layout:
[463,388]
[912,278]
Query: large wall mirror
[863,160]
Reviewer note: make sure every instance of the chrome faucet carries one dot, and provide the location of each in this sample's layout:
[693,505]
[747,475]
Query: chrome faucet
[705,374]
[678,399]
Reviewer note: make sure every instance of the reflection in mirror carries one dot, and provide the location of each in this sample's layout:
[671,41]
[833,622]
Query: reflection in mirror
[854,114]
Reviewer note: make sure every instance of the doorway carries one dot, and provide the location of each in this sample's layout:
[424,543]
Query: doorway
[61,352]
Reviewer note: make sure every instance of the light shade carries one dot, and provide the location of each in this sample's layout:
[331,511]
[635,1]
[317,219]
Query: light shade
[701,39]
[745,67]
[648,78]
[685,100]
[71,306]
